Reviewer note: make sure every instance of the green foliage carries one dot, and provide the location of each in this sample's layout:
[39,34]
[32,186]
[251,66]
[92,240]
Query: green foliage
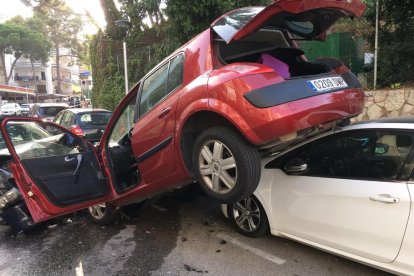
[18,38]
[396,50]
[155,33]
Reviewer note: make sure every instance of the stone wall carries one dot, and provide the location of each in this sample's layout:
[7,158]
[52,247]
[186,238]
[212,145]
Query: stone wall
[387,103]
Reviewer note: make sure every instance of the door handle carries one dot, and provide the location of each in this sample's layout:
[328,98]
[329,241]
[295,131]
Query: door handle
[69,158]
[79,157]
[164,112]
[384,199]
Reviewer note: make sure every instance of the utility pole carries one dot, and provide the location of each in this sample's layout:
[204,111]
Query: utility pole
[376,44]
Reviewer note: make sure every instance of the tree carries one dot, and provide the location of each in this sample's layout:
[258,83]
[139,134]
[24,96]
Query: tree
[19,39]
[396,42]
[61,26]
[154,34]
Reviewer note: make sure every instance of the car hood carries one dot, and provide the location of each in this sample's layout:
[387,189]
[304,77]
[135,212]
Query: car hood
[310,19]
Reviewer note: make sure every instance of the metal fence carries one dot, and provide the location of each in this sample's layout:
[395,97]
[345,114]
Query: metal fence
[353,42]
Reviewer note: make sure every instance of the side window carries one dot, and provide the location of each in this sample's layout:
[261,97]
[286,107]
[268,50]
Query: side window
[123,125]
[358,155]
[58,118]
[175,74]
[66,119]
[154,89]
[33,140]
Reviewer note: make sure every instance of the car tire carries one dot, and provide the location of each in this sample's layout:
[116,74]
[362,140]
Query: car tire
[103,214]
[225,164]
[249,217]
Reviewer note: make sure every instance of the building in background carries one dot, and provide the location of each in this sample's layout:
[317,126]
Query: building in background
[42,79]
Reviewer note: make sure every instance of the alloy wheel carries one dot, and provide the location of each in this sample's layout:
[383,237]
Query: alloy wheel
[247,214]
[98,211]
[218,167]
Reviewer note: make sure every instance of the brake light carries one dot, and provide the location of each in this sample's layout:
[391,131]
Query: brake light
[77,130]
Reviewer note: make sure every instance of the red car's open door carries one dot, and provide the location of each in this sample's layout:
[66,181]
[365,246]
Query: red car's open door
[56,171]
[306,18]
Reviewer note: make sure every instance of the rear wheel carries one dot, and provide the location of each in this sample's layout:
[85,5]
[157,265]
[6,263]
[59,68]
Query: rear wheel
[226,165]
[104,213]
[249,217]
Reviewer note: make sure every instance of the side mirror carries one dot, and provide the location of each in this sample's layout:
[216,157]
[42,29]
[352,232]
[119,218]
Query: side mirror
[296,166]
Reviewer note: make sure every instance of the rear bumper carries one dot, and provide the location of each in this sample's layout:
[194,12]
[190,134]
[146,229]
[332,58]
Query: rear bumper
[293,90]
[268,124]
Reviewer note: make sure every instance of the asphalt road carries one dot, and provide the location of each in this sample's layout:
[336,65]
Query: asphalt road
[179,234]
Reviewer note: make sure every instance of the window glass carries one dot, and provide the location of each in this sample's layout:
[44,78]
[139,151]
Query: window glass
[154,89]
[94,118]
[58,118]
[66,119]
[360,155]
[175,74]
[33,140]
[124,124]
[51,110]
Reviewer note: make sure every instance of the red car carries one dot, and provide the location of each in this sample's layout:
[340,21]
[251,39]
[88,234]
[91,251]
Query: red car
[239,90]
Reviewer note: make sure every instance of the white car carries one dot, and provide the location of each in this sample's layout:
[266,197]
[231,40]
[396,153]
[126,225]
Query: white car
[348,191]
[11,109]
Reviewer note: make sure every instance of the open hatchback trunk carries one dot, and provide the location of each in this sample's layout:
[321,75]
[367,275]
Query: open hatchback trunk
[306,18]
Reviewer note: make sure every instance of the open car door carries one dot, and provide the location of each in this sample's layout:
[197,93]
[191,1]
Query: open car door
[56,171]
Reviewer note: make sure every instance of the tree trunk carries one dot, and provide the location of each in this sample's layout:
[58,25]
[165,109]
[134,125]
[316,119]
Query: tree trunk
[59,81]
[34,79]
[3,71]
[11,69]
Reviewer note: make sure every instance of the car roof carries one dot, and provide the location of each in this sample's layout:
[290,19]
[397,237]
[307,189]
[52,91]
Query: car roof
[386,123]
[51,104]
[85,110]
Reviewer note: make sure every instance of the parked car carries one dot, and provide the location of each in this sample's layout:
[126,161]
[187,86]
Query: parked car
[348,191]
[11,109]
[75,101]
[26,108]
[87,122]
[47,111]
[207,113]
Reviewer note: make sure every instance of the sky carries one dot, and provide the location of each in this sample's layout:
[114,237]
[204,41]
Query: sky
[11,8]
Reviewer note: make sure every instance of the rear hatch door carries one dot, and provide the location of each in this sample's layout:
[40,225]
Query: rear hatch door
[310,19]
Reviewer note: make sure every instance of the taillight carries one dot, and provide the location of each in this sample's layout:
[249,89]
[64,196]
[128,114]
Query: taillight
[77,130]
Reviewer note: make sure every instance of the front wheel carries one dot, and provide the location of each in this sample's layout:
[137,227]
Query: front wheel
[226,165]
[249,217]
[103,214]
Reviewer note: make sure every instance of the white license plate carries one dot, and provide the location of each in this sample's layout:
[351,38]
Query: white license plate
[327,84]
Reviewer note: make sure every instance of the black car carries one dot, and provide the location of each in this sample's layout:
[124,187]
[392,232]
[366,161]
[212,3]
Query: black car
[86,122]
[47,111]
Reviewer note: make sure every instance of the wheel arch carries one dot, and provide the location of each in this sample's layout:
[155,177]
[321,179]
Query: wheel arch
[194,125]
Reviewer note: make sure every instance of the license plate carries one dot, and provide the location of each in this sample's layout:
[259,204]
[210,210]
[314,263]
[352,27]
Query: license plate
[327,84]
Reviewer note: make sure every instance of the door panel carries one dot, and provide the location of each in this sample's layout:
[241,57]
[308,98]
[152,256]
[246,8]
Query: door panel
[153,134]
[56,171]
[351,193]
[153,142]
[56,178]
[339,213]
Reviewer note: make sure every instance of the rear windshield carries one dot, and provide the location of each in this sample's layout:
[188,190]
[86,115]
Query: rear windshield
[94,118]
[50,110]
